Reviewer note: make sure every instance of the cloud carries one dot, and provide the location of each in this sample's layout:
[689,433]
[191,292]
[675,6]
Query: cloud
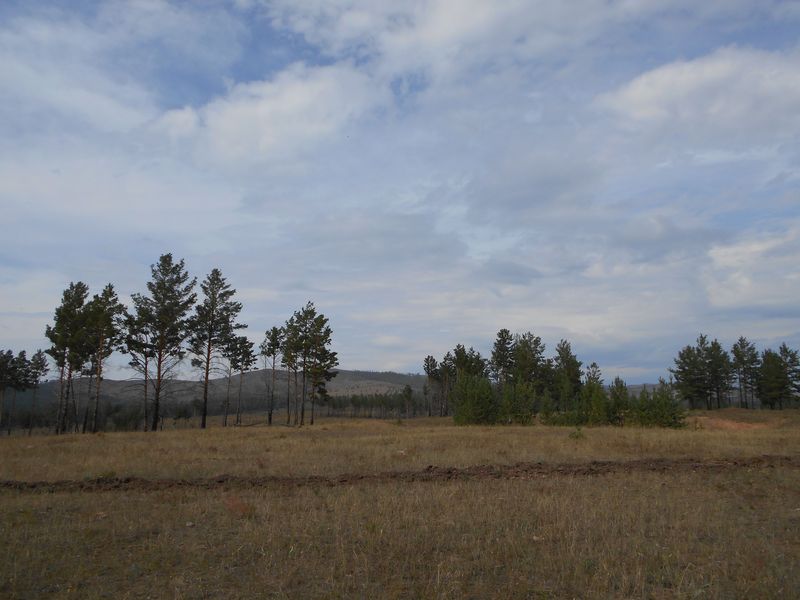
[758,271]
[277,120]
[739,96]
[426,172]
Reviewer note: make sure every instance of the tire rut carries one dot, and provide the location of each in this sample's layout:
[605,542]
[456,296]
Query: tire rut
[431,473]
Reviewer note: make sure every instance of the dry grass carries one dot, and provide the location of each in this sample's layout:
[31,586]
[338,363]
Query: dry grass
[677,534]
[334,447]
[619,536]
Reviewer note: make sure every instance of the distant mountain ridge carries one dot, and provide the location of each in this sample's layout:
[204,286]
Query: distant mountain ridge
[254,388]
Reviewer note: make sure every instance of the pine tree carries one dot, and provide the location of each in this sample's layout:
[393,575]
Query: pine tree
[474,401]
[167,306]
[791,365]
[20,380]
[431,367]
[139,345]
[619,402]
[289,359]
[567,375]
[774,386]
[594,399]
[745,365]
[270,350]
[528,361]
[691,374]
[719,370]
[38,369]
[6,378]
[211,327]
[448,376]
[105,334]
[242,358]
[69,348]
[322,360]
[664,409]
[501,363]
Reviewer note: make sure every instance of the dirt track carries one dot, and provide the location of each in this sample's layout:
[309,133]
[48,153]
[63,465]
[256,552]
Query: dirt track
[429,474]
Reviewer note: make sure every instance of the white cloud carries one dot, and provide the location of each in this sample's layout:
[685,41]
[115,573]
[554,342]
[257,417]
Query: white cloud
[758,270]
[740,96]
[278,120]
[426,172]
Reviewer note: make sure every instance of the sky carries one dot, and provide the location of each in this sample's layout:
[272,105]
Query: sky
[623,174]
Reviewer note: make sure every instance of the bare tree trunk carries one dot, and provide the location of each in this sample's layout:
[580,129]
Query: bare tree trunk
[99,377]
[76,401]
[157,398]
[33,408]
[88,403]
[205,385]
[146,385]
[288,397]
[271,395]
[13,410]
[60,398]
[62,418]
[239,401]
[296,400]
[303,398]
[227,400]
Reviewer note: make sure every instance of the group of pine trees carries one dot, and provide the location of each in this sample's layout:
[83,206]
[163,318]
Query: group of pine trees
[302,347]
[160,329]
[707,376]
[18,373]
[518,382]
[398,404]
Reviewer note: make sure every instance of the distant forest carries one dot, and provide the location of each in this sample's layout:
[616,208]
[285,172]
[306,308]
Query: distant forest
[518,383]
[170,323]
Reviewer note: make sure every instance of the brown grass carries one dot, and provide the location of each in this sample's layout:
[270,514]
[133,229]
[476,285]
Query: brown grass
[334,447]
[732,533]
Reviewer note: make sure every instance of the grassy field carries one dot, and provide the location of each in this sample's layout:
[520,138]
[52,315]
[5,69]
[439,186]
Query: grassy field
[704,515]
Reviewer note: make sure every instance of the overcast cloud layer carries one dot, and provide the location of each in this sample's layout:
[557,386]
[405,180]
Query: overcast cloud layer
[622,174]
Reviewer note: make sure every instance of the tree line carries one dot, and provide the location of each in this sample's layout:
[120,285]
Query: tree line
[400,404]
[708,376]
[18,373]
[157,332]
[518,383]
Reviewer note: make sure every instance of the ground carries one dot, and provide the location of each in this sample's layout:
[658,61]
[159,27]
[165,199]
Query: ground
[416,508]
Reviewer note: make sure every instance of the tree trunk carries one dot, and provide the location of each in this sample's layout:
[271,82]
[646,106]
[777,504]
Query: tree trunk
[88,403]
[62,418]
[227,401]
[157,397]
[75,402]
[288,397]
[12,411]
[60,397]
[296,400]
[303,398]
[271,395]
[33,408]
[146,384]
[99,377]
[205,385]
[313,397]
[239,401]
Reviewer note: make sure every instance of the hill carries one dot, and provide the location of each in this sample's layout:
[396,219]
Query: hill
[254,388]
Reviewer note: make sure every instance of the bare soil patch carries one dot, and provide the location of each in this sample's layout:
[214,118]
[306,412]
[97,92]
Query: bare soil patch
[525,471]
